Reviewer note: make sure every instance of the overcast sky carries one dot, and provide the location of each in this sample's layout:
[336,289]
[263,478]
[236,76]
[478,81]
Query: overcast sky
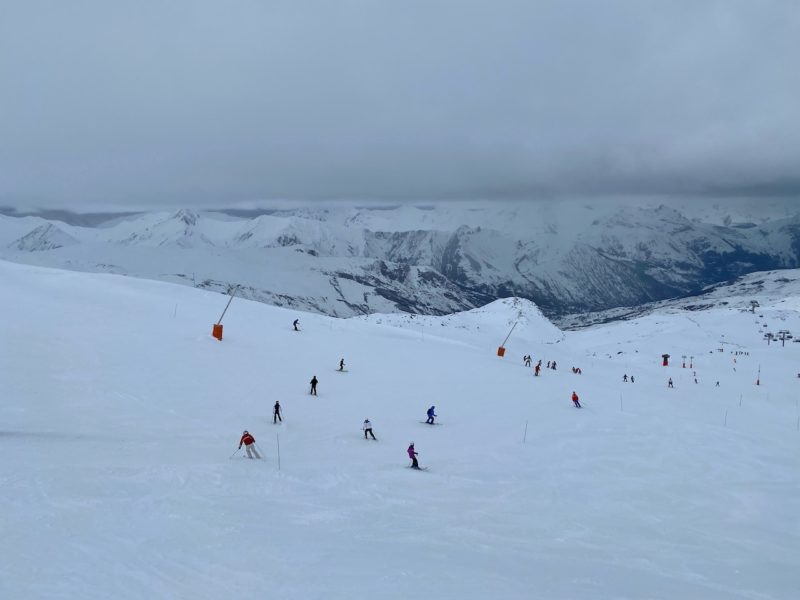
[198,103]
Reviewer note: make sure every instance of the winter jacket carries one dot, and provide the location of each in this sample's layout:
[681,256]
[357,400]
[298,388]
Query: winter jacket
[411,453]
[430,412]
[247,439]
[366,425]
[574,397]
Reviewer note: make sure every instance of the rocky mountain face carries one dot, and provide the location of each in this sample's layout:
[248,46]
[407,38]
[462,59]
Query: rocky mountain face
[431,260]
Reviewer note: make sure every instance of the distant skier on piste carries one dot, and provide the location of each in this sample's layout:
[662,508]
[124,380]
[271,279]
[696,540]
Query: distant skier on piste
[367,427]
[412,454]
[431,415]
[314,382]
[294,324]
[575,400]
[341,365]
[276,412]
[249,444]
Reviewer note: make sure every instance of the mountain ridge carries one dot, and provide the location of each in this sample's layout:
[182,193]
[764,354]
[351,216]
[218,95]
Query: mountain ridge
[345,261]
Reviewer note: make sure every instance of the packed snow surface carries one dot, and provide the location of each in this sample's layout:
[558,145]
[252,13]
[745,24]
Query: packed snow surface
[121,417]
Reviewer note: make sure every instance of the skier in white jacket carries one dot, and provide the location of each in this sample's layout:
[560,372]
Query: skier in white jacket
[367,427]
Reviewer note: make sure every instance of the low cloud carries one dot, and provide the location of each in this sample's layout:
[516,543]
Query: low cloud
[203,103]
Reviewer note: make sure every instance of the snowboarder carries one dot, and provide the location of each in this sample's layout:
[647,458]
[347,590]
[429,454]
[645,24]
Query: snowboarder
[575,400]
[631,378]
[537,368]
[431,415]
[528,360]
[249,444]
[341,365]
[412,454]
[276,413]
[669,383]
[548,364]
[625,378]
[314,385]
[294,324]
[367,427]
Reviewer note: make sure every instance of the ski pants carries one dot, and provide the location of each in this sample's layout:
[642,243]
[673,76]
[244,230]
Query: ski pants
[276,417]
[369,431]
[251,449]
[429,421]
[414,463]
[313,390]
[577,404]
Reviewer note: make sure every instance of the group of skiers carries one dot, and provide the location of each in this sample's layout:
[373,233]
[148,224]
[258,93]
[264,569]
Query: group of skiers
[551,364]
[249,442]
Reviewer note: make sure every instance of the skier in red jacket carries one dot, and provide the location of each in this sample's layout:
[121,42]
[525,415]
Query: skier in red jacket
[249,445]
[575,400]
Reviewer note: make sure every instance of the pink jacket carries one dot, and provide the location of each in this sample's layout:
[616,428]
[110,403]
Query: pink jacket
[411,452]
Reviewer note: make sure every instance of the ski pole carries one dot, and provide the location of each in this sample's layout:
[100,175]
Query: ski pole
[235,452]
[263,454]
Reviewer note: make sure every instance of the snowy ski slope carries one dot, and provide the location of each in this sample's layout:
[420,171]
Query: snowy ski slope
[120,413]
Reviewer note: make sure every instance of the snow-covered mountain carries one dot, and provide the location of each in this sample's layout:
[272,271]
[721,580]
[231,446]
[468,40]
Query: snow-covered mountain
[774,287]
[121,476]
[342,260]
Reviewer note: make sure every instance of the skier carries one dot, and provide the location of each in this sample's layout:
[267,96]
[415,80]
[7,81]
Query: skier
[296,321]
[341,365]
[625,378]
[367,427]
[575,400]
[717,384]
[412,454]
[276,413]
[314,385]
[669,383]
[249,444]
[631,378]
[536,369]
[554,365]
[431,415]
[548,364]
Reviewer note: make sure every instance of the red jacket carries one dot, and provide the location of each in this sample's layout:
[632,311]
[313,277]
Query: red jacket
[247,439]
[574,396]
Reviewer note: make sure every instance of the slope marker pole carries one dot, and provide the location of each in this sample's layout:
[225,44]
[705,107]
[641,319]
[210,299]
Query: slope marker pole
[525,435]
[233,293]
[278,441]
[725,424]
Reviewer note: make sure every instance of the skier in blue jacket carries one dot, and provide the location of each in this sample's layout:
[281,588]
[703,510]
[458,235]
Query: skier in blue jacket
[431,415]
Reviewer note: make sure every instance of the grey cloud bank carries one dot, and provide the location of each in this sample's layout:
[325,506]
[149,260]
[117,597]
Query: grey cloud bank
[206,103]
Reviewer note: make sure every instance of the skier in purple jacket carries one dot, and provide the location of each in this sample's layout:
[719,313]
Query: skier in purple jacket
[412,454]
